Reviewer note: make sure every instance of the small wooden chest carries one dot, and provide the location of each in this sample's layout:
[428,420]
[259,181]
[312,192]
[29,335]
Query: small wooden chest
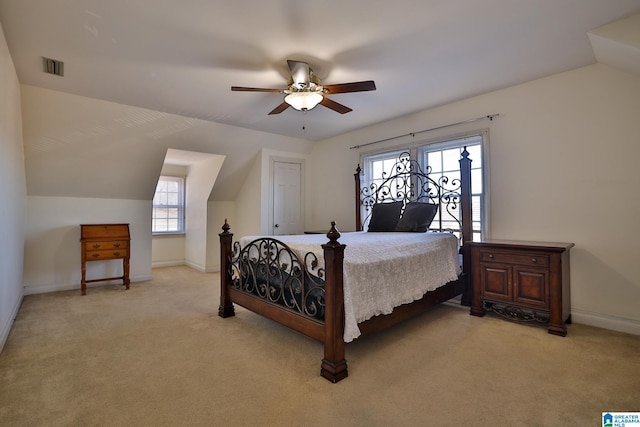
[101,242]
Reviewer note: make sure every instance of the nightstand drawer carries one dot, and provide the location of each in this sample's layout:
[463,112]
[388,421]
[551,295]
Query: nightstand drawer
[532,259]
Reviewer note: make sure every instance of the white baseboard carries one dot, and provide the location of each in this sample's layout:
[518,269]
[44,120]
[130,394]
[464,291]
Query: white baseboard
[195,266]
[604,321]
[50,287]
[160,264]
[4,334]
[198,267]
[56,287]
[201,268]
[598,320]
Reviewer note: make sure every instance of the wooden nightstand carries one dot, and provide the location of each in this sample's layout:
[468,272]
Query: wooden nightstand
[524,281]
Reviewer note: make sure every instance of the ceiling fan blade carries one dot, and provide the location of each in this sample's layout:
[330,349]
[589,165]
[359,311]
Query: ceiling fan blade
[280,108]
[350,87]
[253,89]
[299,73]
[335,106]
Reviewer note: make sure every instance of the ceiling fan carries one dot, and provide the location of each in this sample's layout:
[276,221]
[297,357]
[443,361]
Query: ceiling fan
[305,91]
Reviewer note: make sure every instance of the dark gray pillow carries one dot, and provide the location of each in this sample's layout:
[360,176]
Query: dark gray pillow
[417,217]
[385,216]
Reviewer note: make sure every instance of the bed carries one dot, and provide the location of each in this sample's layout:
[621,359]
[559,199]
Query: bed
[338,287]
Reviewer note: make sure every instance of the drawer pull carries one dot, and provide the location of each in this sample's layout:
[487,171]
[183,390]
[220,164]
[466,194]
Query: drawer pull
[96,246]
[116,245]
[491,256]
[95,255]
[116,254]
[534,260]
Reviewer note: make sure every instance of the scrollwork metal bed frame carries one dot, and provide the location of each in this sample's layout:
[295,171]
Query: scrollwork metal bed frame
[270,279]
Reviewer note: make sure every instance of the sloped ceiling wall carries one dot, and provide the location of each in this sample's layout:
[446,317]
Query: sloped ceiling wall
[83,147]
[618,44]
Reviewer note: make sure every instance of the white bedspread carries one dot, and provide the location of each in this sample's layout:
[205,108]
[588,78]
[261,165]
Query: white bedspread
[383,270]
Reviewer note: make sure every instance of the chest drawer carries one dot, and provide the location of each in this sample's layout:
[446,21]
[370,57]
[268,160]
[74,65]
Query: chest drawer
[513,257]
[95,246]
[101,231]
[115,253]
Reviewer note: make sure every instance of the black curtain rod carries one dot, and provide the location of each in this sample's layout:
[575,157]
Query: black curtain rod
[413,134]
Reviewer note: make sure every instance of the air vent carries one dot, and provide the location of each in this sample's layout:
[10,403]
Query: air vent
[53,66]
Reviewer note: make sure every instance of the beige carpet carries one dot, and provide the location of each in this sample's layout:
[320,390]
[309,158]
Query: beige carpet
[158,355]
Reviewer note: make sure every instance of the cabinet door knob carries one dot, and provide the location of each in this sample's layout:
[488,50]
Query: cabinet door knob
[534,260]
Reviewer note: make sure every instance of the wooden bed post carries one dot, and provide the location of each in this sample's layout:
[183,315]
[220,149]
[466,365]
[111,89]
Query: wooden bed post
[467,223]
[334,364]
[226,306]
[358,201]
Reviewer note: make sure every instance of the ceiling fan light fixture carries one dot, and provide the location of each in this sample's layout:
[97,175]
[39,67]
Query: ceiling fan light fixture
[303,101]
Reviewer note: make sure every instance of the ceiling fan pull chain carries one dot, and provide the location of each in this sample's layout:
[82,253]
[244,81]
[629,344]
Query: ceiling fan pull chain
[304,121]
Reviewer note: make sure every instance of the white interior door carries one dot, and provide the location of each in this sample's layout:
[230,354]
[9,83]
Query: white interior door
[287,198]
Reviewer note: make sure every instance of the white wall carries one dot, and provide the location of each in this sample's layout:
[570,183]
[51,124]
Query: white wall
[217,212]
[202,175]
[13,190]
[250,208]
[167,250]
[563,165]
[52,240]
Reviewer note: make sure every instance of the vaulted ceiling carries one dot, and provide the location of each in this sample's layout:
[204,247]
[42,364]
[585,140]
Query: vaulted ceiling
[144,76]
[183,57]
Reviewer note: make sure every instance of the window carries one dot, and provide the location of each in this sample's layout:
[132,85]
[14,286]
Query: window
[443,160]
[379,166]
[168,206]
